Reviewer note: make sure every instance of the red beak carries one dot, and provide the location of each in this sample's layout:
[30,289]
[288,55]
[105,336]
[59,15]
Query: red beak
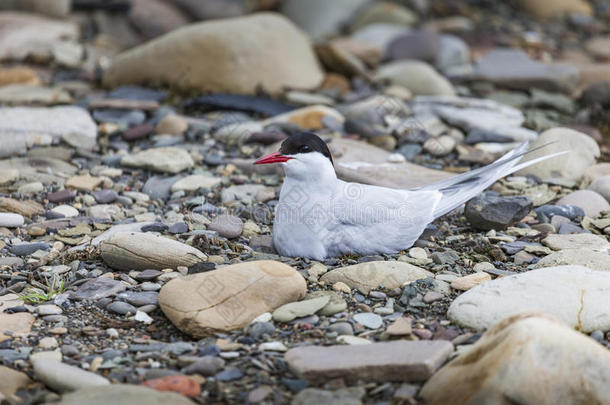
[275,157]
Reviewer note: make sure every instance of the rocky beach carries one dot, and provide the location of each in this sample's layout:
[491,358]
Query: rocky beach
[137,264]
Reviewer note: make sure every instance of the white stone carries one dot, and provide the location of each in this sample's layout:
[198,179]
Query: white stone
[576,295]
[10,220]
[67,211]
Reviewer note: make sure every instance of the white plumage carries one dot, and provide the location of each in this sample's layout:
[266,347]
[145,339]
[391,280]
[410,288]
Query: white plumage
[320,216]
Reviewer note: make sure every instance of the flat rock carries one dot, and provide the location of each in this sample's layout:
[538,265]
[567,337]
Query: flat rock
[577,241]
[528,357]
[601,185]
[561,8]
[369,320]
[388,361]
[122,394]
[465,283]
[27,208]
[165,160]
[195,182]
[141,251]
[18,324]
[583,151]
[582,256]
[86,182]
[98,288]
[72,125]
[377,274]
[28,35]
[299,309]
[231,297]
[341,396]
[488,211]
[590,201]
[574,294]
[513,68]
[245,193]
[263,42]
[227,226]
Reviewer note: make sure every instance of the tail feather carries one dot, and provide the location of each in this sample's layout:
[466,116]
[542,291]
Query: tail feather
[459,189]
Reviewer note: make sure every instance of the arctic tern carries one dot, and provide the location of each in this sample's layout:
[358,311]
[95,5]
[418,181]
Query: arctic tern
[320,216]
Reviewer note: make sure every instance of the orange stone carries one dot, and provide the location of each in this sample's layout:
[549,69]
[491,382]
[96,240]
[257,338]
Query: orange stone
[18,75]
[175,383]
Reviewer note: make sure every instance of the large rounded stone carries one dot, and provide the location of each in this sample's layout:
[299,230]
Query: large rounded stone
[496,212]
[527,359]
[583,257]
[236,55]
[230,297]
[576,295]
[379,274]
[583,151]
[140,251]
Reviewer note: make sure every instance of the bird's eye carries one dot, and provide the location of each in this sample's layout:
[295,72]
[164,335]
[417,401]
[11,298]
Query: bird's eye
[305,149]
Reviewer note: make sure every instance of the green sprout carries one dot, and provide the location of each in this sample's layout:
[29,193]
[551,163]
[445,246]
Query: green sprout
[54,288]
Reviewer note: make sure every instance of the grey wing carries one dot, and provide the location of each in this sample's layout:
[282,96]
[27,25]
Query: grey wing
[380,219]
[459,189]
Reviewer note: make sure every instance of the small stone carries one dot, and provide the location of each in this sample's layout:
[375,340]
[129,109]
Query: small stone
[582,256]
[400,327]
[376,274]
[64,378]
[195,182]
[206,366]
[441,146]
[227,226]
[97,289]
[65,211]
[472,280]
[165,160]
[47,343]
[171,124]
[293,310]
[175,383]
[48,309]
[17,324]
[341,328]
[418,253]
[10,220]
[369,320]
[494,212]
[87,183]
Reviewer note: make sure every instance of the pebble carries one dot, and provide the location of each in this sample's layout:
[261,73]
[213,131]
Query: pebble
[472,280]
[10,220]
[293,310]
[369,320]
[227,226]
[488,211]
[122,308]
[65,378]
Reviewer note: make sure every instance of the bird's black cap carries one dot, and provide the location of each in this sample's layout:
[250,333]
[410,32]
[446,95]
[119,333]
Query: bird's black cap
[305,142]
